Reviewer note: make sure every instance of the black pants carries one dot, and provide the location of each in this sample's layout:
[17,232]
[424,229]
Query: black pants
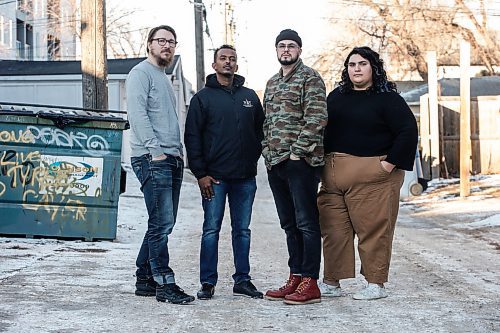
[295,186]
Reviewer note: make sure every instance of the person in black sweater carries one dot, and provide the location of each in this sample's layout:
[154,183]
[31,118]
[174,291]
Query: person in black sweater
[223,138]
[371,137]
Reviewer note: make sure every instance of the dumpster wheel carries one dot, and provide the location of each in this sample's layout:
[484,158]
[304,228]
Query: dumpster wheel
[416,189]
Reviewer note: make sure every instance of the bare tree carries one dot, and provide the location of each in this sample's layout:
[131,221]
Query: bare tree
[62,32]
[123,40]
[409,28]
[403,30]
[328,61]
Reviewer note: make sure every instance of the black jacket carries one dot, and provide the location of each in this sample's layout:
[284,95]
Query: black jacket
[223,131]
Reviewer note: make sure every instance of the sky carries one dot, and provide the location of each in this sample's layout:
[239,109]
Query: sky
[258,22]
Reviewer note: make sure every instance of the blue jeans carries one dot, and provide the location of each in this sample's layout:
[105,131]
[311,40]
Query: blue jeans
[161,184]
[295,186]
[240,195]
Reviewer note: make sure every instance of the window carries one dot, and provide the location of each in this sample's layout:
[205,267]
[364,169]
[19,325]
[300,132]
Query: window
[5,31]
[10,33]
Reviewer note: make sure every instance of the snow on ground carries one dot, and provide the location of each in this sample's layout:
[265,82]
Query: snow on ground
[443,197]
[492,221]
[445,273]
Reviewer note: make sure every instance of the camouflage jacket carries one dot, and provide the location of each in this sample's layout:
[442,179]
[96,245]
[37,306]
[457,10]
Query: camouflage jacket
[295,107]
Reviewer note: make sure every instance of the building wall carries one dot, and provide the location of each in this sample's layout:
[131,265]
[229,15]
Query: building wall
[8,30]
[29,27]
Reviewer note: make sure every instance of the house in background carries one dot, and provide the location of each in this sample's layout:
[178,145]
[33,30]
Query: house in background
[59,83]
[38,29]
[479,86]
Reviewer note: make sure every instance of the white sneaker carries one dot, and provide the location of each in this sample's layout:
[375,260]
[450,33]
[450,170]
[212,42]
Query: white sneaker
[330,291]
[372,291]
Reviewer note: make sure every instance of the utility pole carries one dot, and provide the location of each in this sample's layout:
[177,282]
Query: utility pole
[465,144]
[229,24]
[433,113]
[94,56]
[199,8]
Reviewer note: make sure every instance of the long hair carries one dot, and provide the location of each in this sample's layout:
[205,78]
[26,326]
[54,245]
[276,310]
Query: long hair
[379,76]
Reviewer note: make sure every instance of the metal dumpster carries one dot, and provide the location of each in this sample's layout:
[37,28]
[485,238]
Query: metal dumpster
[59,172]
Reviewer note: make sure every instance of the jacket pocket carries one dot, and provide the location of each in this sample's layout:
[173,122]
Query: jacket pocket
[291,103]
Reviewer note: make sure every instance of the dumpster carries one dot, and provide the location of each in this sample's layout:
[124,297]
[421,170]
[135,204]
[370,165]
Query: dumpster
[60,172]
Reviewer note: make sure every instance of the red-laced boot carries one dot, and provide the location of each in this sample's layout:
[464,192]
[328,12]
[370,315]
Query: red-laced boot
[306,293]
[291,284]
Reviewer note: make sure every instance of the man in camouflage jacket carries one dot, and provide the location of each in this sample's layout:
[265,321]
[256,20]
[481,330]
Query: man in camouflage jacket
[295,107]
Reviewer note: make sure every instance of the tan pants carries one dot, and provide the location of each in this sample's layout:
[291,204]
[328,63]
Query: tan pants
[358,197]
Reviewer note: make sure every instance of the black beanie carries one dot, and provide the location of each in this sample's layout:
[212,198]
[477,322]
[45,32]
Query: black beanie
[288,34]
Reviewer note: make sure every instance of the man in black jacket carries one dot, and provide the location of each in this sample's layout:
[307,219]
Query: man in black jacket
[223,141]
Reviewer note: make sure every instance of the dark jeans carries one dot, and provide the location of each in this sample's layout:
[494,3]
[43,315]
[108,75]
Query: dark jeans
[240,195]
[295,186]
[161,184]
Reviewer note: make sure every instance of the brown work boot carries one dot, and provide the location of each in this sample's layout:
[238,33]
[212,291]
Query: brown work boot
[306,293]
[289,287]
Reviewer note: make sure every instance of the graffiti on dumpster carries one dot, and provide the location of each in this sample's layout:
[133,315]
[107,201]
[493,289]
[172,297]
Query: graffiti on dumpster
[19,167]
[52,182]
[21,136]
[93,145]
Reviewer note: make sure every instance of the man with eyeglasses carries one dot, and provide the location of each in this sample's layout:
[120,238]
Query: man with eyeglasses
[223,142]
[157,161]
[295,107]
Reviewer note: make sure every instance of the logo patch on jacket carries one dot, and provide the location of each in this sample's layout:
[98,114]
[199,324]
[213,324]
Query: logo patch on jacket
[247,103]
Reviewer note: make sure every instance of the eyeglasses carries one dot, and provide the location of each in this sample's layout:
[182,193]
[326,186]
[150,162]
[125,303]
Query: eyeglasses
[291,47]
[162,42]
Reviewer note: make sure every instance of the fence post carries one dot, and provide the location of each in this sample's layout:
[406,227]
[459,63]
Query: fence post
[465,144]
[424,136]
[433,113]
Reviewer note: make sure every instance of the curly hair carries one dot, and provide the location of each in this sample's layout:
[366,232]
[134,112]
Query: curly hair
[379,76]
[225,46]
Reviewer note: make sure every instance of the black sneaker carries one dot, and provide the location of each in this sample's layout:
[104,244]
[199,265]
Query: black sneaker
[145,286]
[206,292]
[246,288]
[171,293]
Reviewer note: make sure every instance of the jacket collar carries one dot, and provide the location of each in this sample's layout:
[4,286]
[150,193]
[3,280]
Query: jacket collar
[212,82]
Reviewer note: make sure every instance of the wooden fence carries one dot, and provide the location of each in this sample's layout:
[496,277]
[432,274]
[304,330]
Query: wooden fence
[485,136]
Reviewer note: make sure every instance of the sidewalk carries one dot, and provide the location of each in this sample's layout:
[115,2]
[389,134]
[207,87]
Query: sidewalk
[440,281]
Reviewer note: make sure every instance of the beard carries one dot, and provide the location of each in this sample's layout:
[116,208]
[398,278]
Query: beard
[164,62]
[227,74]
[290,61]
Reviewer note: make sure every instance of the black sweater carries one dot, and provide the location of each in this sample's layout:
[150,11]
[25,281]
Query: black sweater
[223,131]
[364,123]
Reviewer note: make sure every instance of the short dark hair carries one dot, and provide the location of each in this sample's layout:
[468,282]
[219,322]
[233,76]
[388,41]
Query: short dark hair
[225,46]
[379,76]
[153,31]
